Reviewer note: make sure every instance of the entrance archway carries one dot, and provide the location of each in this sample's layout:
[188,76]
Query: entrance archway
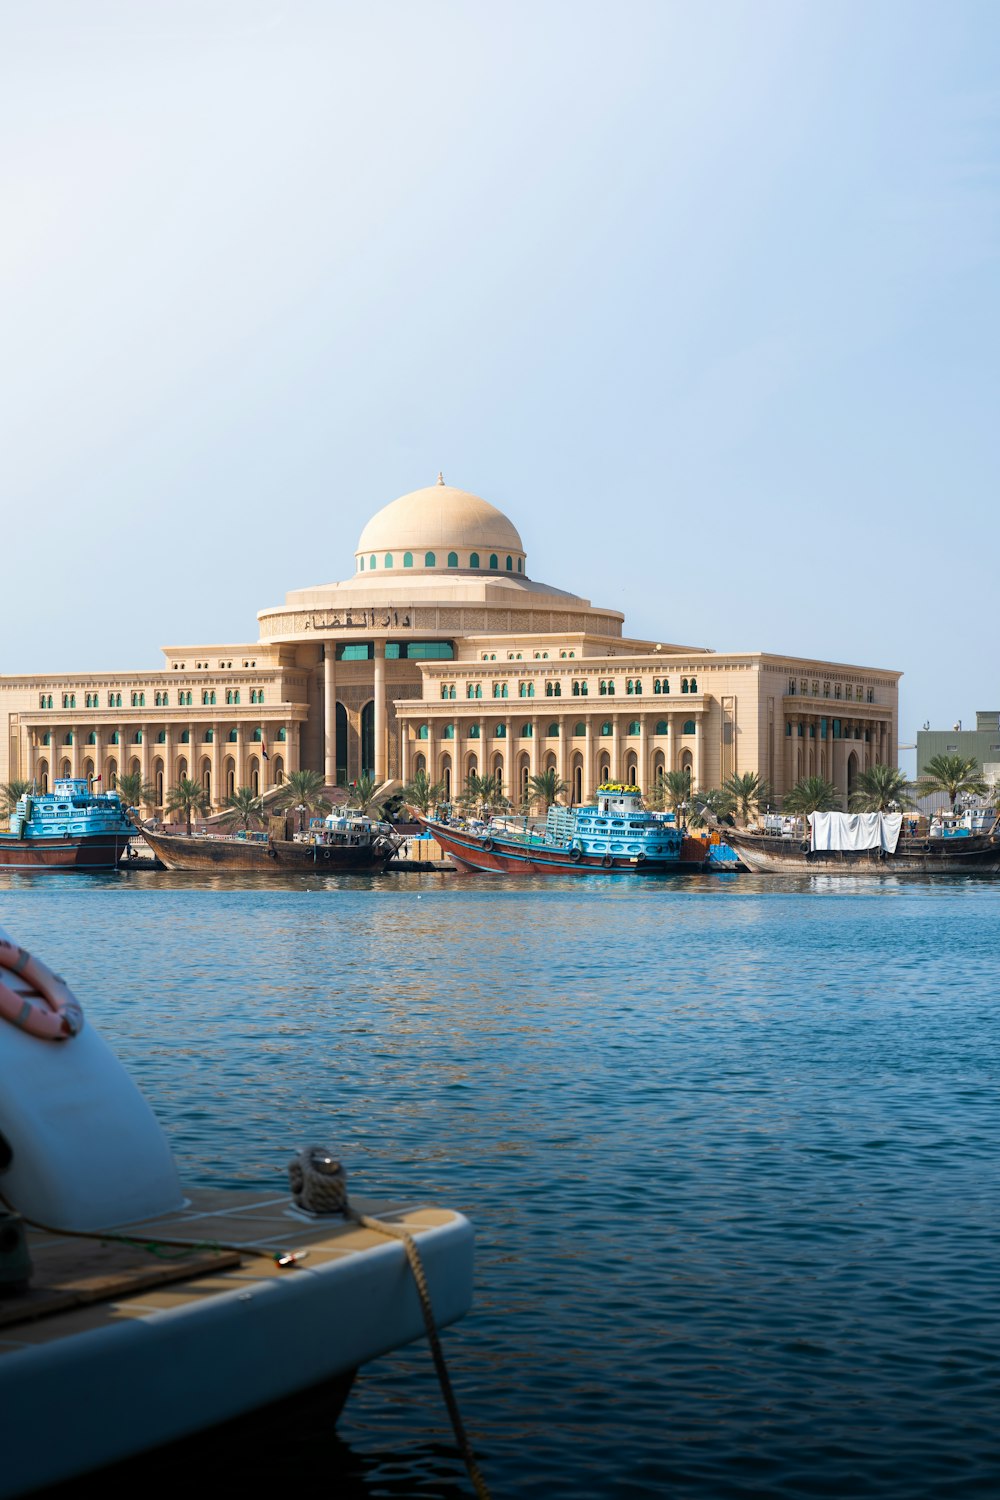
[852,771]
[341,747]
[368,739]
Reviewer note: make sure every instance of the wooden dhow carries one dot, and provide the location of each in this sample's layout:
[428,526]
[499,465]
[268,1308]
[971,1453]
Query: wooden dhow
[949,848]
[337,846]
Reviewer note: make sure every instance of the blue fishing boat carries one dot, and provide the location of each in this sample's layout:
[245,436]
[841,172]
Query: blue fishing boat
[615,835]
[68,828]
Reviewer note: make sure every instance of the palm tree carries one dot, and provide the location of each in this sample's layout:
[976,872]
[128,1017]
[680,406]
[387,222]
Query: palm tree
[676,792]
[187,797]
[484,791]
[746,793]
[9,794]
[133,790]
[364,795]
[243,805]
[303,789]
[547,786]
[952,774]
[811,794]
[882,789]
[422,793]
[712,806]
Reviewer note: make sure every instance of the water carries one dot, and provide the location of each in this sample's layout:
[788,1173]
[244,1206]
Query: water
[730,1147]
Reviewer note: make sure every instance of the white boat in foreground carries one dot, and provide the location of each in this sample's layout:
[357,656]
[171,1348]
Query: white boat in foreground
[153,1312]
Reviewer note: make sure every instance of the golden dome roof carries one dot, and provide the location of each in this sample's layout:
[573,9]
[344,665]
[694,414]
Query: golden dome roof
[440,520]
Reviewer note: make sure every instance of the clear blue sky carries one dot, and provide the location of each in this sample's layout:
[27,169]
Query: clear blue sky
[704,296]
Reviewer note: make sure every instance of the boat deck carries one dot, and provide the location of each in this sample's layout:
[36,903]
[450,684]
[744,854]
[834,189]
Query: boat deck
[81,1284]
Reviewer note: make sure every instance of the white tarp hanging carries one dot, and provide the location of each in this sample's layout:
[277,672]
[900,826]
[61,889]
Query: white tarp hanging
[837,830]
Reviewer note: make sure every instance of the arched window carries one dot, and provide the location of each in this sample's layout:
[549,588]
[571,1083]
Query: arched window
[510,564]
[115,738]
[519,568]
[231,736]
[161,738]
[258,735]
[688,727]
[388,559]
[694,684]
[579,730]
[684,684]
[138,737]
[372,562]
[282,733]
[526,731]
[453,559]
[185,736]
[209,736]
[449,731]
[661,726]
[362,564]
[606,729]
[92,738]
[552,732]
[494,563]
[473,731]
[429,560]
[407,559]
[474,560]
[47,737]
[500,732]
[424,732]
[229,695]
[633,727]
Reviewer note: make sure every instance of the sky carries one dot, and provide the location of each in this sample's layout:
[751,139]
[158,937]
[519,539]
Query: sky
[705,297]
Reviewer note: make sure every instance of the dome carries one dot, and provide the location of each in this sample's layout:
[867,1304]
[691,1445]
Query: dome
[438,528]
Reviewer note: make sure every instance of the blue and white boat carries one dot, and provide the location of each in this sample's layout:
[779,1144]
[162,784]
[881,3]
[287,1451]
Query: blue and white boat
[68,828]
[615,835]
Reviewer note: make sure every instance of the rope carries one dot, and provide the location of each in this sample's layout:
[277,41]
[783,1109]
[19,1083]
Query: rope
[319,1185]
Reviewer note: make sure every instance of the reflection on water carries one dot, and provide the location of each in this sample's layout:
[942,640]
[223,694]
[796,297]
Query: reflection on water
[730,1147]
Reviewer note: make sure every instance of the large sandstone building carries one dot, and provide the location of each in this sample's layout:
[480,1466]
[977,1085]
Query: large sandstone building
[441,654]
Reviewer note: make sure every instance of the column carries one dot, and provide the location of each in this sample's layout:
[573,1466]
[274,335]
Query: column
[404,750]
[217,765]
[193,757]
[122,750]
[380,758]
[699,735]
[588,759]
[676,723]
[144,752]
[562,755]
[99,758]
[168,761]
[330,712]
[240,776]
[534,755]
[615,747]
[643,754]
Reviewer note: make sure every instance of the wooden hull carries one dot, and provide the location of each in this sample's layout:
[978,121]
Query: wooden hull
[502,855]
[95,851]
[275,857]
[766,855]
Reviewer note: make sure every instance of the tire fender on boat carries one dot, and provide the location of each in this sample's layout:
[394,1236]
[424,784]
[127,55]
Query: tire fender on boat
[576,853]
[607,862]
[53,1012]
[488,845]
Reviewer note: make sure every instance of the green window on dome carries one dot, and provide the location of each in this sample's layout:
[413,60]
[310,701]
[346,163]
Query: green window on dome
[388,560]
[407,559]
[510,565]
[474,560]
[661,726]
[430,561]
[606,728]
[494,560]
[553,732]
[519,567]
[688,727]
[361,564]
[371,562]
[453,559]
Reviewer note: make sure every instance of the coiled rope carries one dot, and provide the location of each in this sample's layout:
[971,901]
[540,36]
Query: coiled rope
[319,1186]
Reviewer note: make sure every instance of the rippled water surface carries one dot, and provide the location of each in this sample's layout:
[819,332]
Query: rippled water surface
[730,1148]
